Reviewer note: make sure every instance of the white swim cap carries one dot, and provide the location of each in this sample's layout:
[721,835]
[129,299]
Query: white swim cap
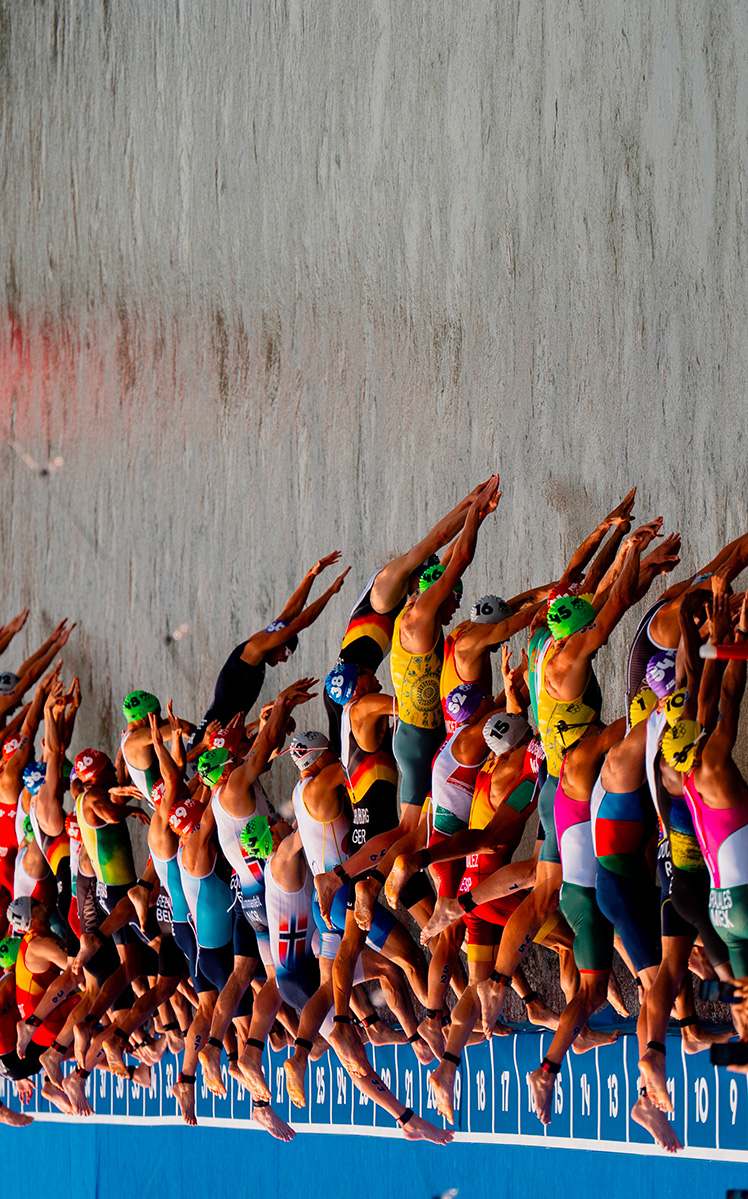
[490,609]
[307,747]
[504,730]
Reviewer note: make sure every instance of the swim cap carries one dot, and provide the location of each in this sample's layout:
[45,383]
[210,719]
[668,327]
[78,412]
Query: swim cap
[680,743]
[9,747]
[227,739]
[490,609]
[138,704]
[504,730]
[572,589]
[305,748]
[9,952]
[570,613]
[90,763]
[256,839]
[156,797]
[644,702]
[462,703]
[28,829]
[33,776]
[212,764]
[292,642]
[185,816]
[8,682]
[674,706]
[660,672]
[536,754]
[19,913]
[341,682]
[72,828]
[431,574]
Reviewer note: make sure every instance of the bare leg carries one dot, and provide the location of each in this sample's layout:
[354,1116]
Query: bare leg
[464,1018]
[266,1008]
[573,1019]
[226,1005]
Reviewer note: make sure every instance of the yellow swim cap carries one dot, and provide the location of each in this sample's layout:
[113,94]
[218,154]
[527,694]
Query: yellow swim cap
[674,706]
[641,705]
[680,743]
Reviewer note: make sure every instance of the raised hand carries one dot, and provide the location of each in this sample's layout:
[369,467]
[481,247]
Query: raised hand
[642,536]
[335,588]
[298,692]
[51,678]
[667,554]
[174,724]
[64,635]
[155,727]
[16,624]
[720,625]
[621,515]
[329,560]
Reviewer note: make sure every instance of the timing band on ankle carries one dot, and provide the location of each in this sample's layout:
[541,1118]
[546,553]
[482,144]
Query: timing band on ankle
[214,1042]
[656,1045]
[33,1021]
[253,1041]
[142,883]
[342,874]
[407,1115]
[89,1019]
[530,997]
[188,1078]
[369,1020]
[550,1067]
[425,859]
[643,1093]
[416,1037]
[171,1027]
[687,1021]
[58,1048]
[433,1012]
[98,935]
[451,1057]
[466,902]
[83,1073]
[131,1071]
[260,1103]
[341,1020]
[302,1043]
[504,980]
[377,874]
[638,981]
[122,1035]
[233,1057]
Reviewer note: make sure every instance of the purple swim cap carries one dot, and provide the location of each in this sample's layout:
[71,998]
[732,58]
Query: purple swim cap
[661,672]
[462,703]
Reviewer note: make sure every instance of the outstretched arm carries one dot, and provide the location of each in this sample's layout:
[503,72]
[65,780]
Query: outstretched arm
[9,630]
[261,643]
[583,553]
[733,687]
[301,594]
[270,736]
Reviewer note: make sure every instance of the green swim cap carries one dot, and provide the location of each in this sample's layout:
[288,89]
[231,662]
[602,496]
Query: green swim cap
[28,829]
[212,764]
[138,704]
[9,951]
[568,614]
[431,574]
[256,838]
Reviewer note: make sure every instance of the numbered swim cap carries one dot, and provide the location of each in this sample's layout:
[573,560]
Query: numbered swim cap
[185,816]
[680,743]
[490,609]
[72,828]
[28,830]
[8,682]
[9,747]
[536,754]
[212,765]
[644,702]
[91,763]
[341,682]
[275,626]
[157,794]
[504,730]
[306,748]
[674,706]
[462,703]
[33,777]
[431,574]
[661,672]
[9,952]
[572,589]
[138,704]
[570,613]
[19,913]
[227,739]
[256,839]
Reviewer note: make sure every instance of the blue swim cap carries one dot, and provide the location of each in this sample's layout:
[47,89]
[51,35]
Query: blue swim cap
[341,682]
[33,776]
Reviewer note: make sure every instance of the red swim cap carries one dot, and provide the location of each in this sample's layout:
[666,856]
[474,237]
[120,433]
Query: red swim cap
[185,816]
[227,739]
[90,763]
[72,828]
[157,793]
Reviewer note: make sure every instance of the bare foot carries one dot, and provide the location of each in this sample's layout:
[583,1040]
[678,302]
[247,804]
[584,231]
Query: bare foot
[590,1039]
[443,1085]
[446,911]
[278,1038]
[381,1034]
[423,1051]
[75,1089]
[81,1042]
[142,1076]
[272,1123]
[250,1064]
[184,1093]
[349,1047]
[24,1036]
[700,964]
[152,1053]
[366,896]
[695,1038]
[422,1130]
[174,1041]
[235,1072]
[295,1069]
[54,1094]
[114,1057]
[14,1119]
[210,1059]
[327,885]
[51,1063]
[656,1123]
[139,899]
[541,1085]
[538,1013]
[615,998]
[320,1048]
[654,1078]
[430,1031]
[491,995]
[401,872]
